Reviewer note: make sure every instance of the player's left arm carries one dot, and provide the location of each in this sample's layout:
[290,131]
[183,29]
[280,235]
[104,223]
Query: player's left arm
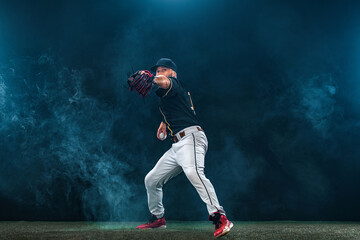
[168,88]
[162,81]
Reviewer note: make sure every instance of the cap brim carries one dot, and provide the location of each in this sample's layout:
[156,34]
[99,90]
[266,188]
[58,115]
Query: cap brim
[153,68]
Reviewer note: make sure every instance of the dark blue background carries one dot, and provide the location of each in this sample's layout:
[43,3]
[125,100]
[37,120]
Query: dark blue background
[275,85]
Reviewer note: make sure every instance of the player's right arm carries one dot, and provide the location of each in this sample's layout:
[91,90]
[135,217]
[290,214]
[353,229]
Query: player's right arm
[162,128]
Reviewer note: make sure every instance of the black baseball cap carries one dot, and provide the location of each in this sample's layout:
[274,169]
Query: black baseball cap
[164,62]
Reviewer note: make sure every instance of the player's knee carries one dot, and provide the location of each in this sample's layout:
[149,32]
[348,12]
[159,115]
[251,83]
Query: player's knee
[150,180]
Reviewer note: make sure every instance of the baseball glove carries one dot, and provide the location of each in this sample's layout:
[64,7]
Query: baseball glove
[141,82]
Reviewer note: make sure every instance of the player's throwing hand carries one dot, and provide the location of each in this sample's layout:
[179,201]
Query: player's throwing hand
[161,132]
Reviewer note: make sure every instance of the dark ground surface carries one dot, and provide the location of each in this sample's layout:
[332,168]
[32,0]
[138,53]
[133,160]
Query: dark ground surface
[179,230]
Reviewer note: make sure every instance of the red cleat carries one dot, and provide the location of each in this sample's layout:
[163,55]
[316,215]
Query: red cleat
[222,224]
[154,222]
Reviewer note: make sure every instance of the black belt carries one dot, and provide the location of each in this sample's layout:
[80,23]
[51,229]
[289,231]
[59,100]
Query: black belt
[182,134]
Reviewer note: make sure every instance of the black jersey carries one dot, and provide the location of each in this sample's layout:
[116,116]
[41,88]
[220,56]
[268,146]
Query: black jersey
[176,107]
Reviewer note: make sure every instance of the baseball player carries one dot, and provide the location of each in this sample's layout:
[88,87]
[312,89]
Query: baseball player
[188,150]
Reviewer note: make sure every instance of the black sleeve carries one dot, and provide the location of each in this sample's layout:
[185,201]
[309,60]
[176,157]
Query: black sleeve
[171,90]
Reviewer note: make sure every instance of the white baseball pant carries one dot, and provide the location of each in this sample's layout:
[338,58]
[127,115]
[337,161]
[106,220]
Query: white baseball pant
[186,155]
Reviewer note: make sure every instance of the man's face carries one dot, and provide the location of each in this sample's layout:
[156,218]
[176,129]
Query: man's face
[167,72]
